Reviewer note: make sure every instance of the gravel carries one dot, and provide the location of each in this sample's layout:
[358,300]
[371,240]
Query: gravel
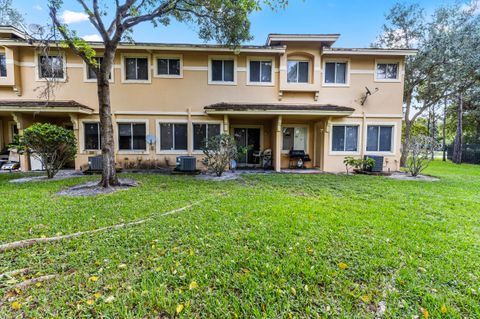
[408,177]
[93,189]
[43,178]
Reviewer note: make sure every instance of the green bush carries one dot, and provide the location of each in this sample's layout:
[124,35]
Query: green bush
[53,145]
[358,163]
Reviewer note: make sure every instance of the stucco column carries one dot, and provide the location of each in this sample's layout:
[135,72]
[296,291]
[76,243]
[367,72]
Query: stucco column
[189,132]
[226,124]
[278,144]
[21,125]
[76,132]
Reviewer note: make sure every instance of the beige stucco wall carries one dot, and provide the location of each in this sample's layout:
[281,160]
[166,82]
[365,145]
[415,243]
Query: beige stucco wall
[172,98]
[193,91]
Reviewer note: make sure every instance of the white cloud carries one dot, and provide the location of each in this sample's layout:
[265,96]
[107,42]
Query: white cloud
[92,37]
[38,7]
[73,17]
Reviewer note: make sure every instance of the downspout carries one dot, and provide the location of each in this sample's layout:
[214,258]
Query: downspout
[364,130]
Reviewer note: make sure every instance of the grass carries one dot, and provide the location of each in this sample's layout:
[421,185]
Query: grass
[264,246]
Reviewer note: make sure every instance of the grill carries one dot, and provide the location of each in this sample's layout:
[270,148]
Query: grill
[297,159]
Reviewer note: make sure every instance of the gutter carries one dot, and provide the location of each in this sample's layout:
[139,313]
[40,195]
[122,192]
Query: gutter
[166,47]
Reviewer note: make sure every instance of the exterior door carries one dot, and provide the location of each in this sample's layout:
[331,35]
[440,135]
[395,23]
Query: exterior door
[247,138]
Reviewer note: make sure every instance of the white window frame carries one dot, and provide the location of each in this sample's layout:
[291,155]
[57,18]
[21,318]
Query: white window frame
[82,136]
[222,57]
[167,56]
[393,143]
[261,59]
[347,73]
[307,136]
[300,59]
[135,121]
[204,122]
[158,136]
[136,55]
[38,78]
[388,61]
[359,134]
[6,65]
[85,73]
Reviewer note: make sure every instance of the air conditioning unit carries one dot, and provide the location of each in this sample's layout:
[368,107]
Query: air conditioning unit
[378,167]
[95,163]
[186,164]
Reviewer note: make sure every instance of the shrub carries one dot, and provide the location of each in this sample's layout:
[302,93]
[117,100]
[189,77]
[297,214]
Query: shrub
[419,153]
[53,145]
[358,163]
[219,151]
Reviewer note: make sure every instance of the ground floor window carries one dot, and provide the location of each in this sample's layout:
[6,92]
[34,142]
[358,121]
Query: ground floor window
[294,138]
[92,138]
[345,138]
[132,136]
[379,138]
[202,133]
[173,136]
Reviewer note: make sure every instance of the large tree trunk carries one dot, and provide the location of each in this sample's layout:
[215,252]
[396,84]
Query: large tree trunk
[457,144]
[444,133]
[109,174]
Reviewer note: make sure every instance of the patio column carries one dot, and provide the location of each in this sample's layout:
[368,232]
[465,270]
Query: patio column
[76,132]
[20,121]
[278,144]
[189,132]
[226,124]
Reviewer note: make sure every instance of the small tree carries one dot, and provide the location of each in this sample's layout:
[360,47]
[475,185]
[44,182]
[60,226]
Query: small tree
[420,148]
[219,151]
[53,145]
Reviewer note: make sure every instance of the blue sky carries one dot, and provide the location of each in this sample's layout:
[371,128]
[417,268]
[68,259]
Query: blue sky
[358,21]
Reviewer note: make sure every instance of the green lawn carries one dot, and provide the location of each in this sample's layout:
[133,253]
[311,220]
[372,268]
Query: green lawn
[264,246]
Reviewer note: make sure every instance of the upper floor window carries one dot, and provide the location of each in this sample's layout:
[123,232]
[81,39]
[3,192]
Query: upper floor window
[3,65]
[132,136]
[92,140]
[222,70]
[335,73]
[91,75]
[169,66]
[294,138]
[379,138]
[260,71]
[345,138]
[51,67]
[202,133]
[136,69]
[387,71]
[298,71]
[173,136]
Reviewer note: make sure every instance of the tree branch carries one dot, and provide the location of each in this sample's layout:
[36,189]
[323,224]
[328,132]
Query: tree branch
[68,38]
